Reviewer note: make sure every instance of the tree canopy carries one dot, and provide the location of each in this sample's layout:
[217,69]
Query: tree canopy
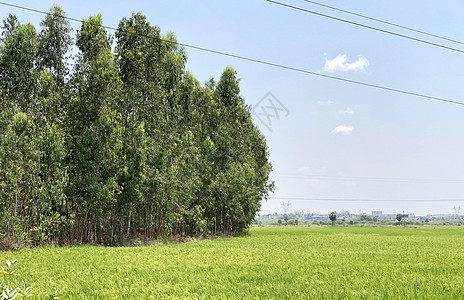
[109,144]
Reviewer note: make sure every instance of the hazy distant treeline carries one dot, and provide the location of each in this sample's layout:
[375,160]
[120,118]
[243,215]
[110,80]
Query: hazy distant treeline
[116,142]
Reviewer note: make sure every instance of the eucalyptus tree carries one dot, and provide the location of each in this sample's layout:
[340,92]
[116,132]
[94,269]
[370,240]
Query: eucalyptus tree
[137,58]
[53,61]
[54,43]
[37,144]
[94,125]
[19,155]
[151,67]
[18,75]
[51,97]
[241,160]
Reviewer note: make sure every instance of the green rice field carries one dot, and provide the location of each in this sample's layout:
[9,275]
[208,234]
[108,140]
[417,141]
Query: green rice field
[270,263]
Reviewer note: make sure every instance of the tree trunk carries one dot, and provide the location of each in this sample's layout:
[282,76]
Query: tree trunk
[129,221]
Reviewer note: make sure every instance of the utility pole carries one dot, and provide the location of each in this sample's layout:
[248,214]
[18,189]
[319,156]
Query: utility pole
[457,211]
[285,207]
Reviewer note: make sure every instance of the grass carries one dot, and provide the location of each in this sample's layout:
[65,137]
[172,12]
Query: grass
[271,263]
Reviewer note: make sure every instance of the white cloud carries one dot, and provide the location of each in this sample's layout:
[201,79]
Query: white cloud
[342,129]
[340,63]
[347,111]
[325,103]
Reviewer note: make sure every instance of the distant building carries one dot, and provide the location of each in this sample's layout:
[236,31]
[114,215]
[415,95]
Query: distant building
[346,214]
[317,217]
[377,213]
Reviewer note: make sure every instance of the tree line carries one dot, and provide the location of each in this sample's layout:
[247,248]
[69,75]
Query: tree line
[116,140]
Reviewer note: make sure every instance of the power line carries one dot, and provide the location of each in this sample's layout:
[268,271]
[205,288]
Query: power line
[359,178]
[385,22]
[262,62]
[363,200]
[47,13]
[366,26]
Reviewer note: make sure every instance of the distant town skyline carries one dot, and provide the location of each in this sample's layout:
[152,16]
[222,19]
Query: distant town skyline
[453,212]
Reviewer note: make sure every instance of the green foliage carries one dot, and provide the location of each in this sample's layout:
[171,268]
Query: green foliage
[20,292]
[54,42]
[53,294]
[333,217]
[10,267]
[366,218]
[125,144]
[18,76]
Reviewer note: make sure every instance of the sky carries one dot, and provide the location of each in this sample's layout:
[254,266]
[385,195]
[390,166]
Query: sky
[329,139]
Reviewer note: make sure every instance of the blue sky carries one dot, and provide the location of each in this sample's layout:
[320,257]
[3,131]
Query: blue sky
[339,140]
